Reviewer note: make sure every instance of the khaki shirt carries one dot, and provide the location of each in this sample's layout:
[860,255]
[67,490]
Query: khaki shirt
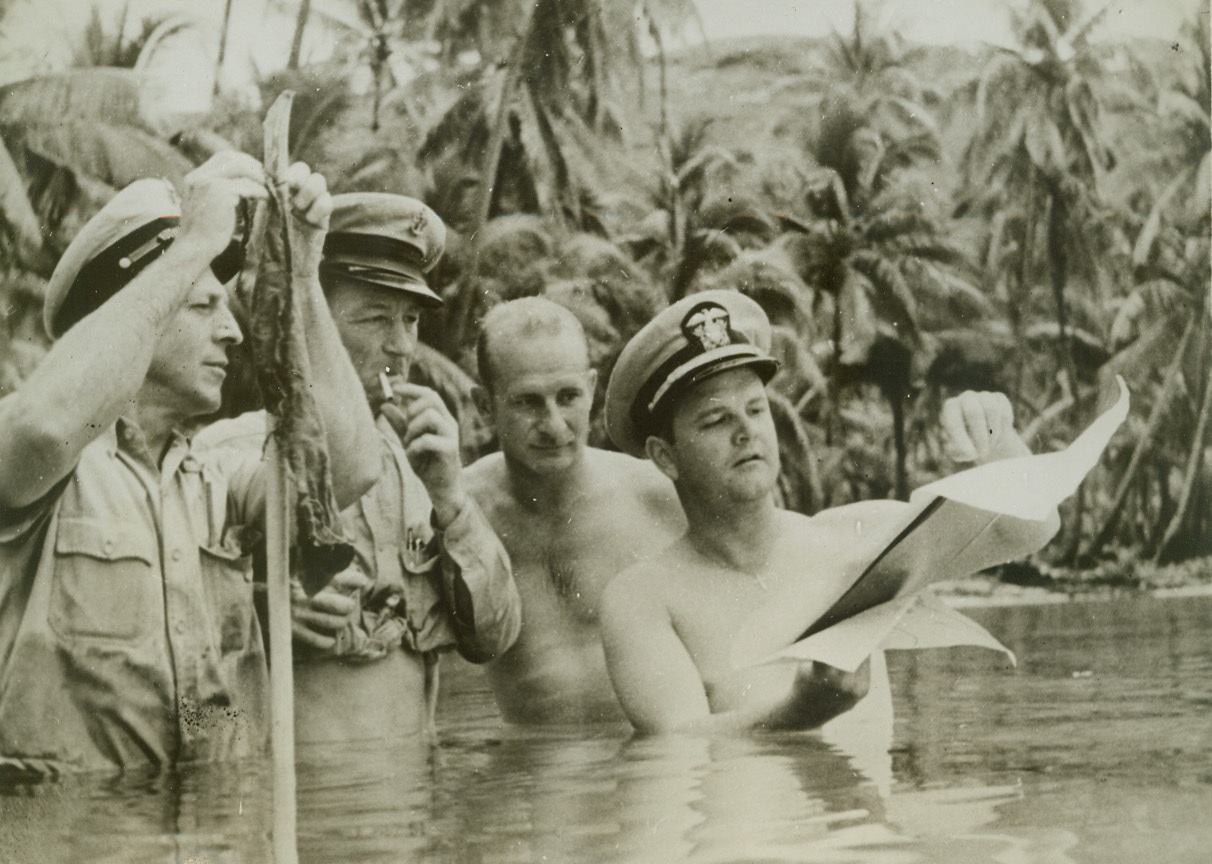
[127,630]
[431,589]
[455,587]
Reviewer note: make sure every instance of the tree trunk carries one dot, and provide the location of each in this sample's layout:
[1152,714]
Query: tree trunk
[296,44]
[1138,454]
[1058,266]
[897,399]
[496,140]
[1191,476]
[833,419]
[222,44]
[1018,301]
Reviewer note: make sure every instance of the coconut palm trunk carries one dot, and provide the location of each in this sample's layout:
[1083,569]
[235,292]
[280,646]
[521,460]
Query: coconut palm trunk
[296,43]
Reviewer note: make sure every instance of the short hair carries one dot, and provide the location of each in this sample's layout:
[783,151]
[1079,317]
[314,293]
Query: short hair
[519,320]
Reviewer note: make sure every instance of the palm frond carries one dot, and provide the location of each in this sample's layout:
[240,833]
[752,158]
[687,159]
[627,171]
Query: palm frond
[109,95]
[1150,302]
[891,297]
[115,155]
[18,220]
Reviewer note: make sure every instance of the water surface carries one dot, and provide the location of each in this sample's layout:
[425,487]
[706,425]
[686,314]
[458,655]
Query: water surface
[1096,748]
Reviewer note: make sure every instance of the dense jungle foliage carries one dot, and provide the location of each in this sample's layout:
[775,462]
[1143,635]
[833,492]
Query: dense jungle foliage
[916,220]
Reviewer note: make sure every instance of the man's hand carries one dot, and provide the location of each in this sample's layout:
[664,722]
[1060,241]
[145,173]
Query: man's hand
[211,197]
[822,692]
[430,437]
[315,621]
[979,427]
[311,207]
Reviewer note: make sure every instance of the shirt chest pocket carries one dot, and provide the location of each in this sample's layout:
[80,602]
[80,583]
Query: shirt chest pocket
[106,583]
[228,578]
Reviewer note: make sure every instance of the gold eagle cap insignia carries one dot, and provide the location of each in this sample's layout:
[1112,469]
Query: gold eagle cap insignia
[708,327]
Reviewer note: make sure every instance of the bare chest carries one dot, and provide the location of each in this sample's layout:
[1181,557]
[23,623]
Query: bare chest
[570,558]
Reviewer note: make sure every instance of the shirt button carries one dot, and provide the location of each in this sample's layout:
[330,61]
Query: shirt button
[176,556]
[179,628]
[108,547]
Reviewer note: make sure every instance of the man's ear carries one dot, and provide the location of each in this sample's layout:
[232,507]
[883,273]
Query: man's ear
[592,380]
[483,402]
[661,454]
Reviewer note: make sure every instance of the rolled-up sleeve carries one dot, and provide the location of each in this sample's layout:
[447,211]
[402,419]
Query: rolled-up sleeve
[477,580]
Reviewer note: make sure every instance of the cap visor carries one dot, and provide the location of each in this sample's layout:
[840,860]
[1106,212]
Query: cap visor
[398,277]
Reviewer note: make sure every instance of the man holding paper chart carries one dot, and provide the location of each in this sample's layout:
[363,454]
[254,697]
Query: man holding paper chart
[689,392]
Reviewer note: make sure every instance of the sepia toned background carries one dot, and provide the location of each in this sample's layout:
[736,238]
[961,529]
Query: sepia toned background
[924,196]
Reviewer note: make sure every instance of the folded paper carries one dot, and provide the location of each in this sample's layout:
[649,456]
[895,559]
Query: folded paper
[956,526]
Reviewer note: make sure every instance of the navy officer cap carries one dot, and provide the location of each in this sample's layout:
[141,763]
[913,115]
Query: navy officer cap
[699,336]
[132,230]
[384,239]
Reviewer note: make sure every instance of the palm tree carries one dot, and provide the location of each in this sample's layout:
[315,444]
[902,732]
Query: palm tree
[872,68]
[1171,298]
[75,137]
[1039,147]
[540,104]
[877,263]
[1187,106]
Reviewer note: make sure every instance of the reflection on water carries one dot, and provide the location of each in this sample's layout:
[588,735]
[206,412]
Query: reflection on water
[1097,748]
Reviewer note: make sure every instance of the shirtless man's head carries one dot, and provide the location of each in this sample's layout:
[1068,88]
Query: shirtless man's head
[537,384]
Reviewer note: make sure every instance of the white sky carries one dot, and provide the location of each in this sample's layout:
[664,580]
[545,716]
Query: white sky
[937,21]
[34,35]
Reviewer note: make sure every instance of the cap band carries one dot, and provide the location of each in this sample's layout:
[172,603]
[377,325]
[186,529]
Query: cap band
[695,364]
[363,245]
[117,266]
[112,269]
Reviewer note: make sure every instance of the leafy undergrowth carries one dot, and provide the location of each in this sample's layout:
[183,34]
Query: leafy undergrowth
[1038,582]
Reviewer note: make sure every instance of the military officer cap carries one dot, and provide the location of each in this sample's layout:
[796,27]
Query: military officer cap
[699,336]
[389,240]
[131,231]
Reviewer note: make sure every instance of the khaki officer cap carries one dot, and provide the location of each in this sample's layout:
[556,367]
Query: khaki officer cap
[389,240]
[128,233]
[699,336]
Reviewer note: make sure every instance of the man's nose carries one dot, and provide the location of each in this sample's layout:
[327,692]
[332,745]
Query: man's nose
[400,342]
[745,429]
[550,418]
[228,328]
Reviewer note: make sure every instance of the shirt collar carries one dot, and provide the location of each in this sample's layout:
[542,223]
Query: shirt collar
[126,436]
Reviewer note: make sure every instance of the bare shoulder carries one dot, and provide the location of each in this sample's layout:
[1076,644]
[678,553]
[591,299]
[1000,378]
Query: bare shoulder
[636,477]
[486,477]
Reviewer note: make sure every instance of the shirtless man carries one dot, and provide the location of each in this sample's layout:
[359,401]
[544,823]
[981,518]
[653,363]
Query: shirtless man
[571,516]
[689,391]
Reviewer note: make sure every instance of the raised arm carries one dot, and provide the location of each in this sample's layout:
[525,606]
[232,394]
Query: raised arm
[477,580]
[661,689]
[93,373]
[349,427]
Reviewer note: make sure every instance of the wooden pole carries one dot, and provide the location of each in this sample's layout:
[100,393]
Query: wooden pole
[279,509]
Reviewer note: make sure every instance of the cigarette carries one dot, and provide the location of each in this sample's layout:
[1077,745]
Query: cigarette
[388,393]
